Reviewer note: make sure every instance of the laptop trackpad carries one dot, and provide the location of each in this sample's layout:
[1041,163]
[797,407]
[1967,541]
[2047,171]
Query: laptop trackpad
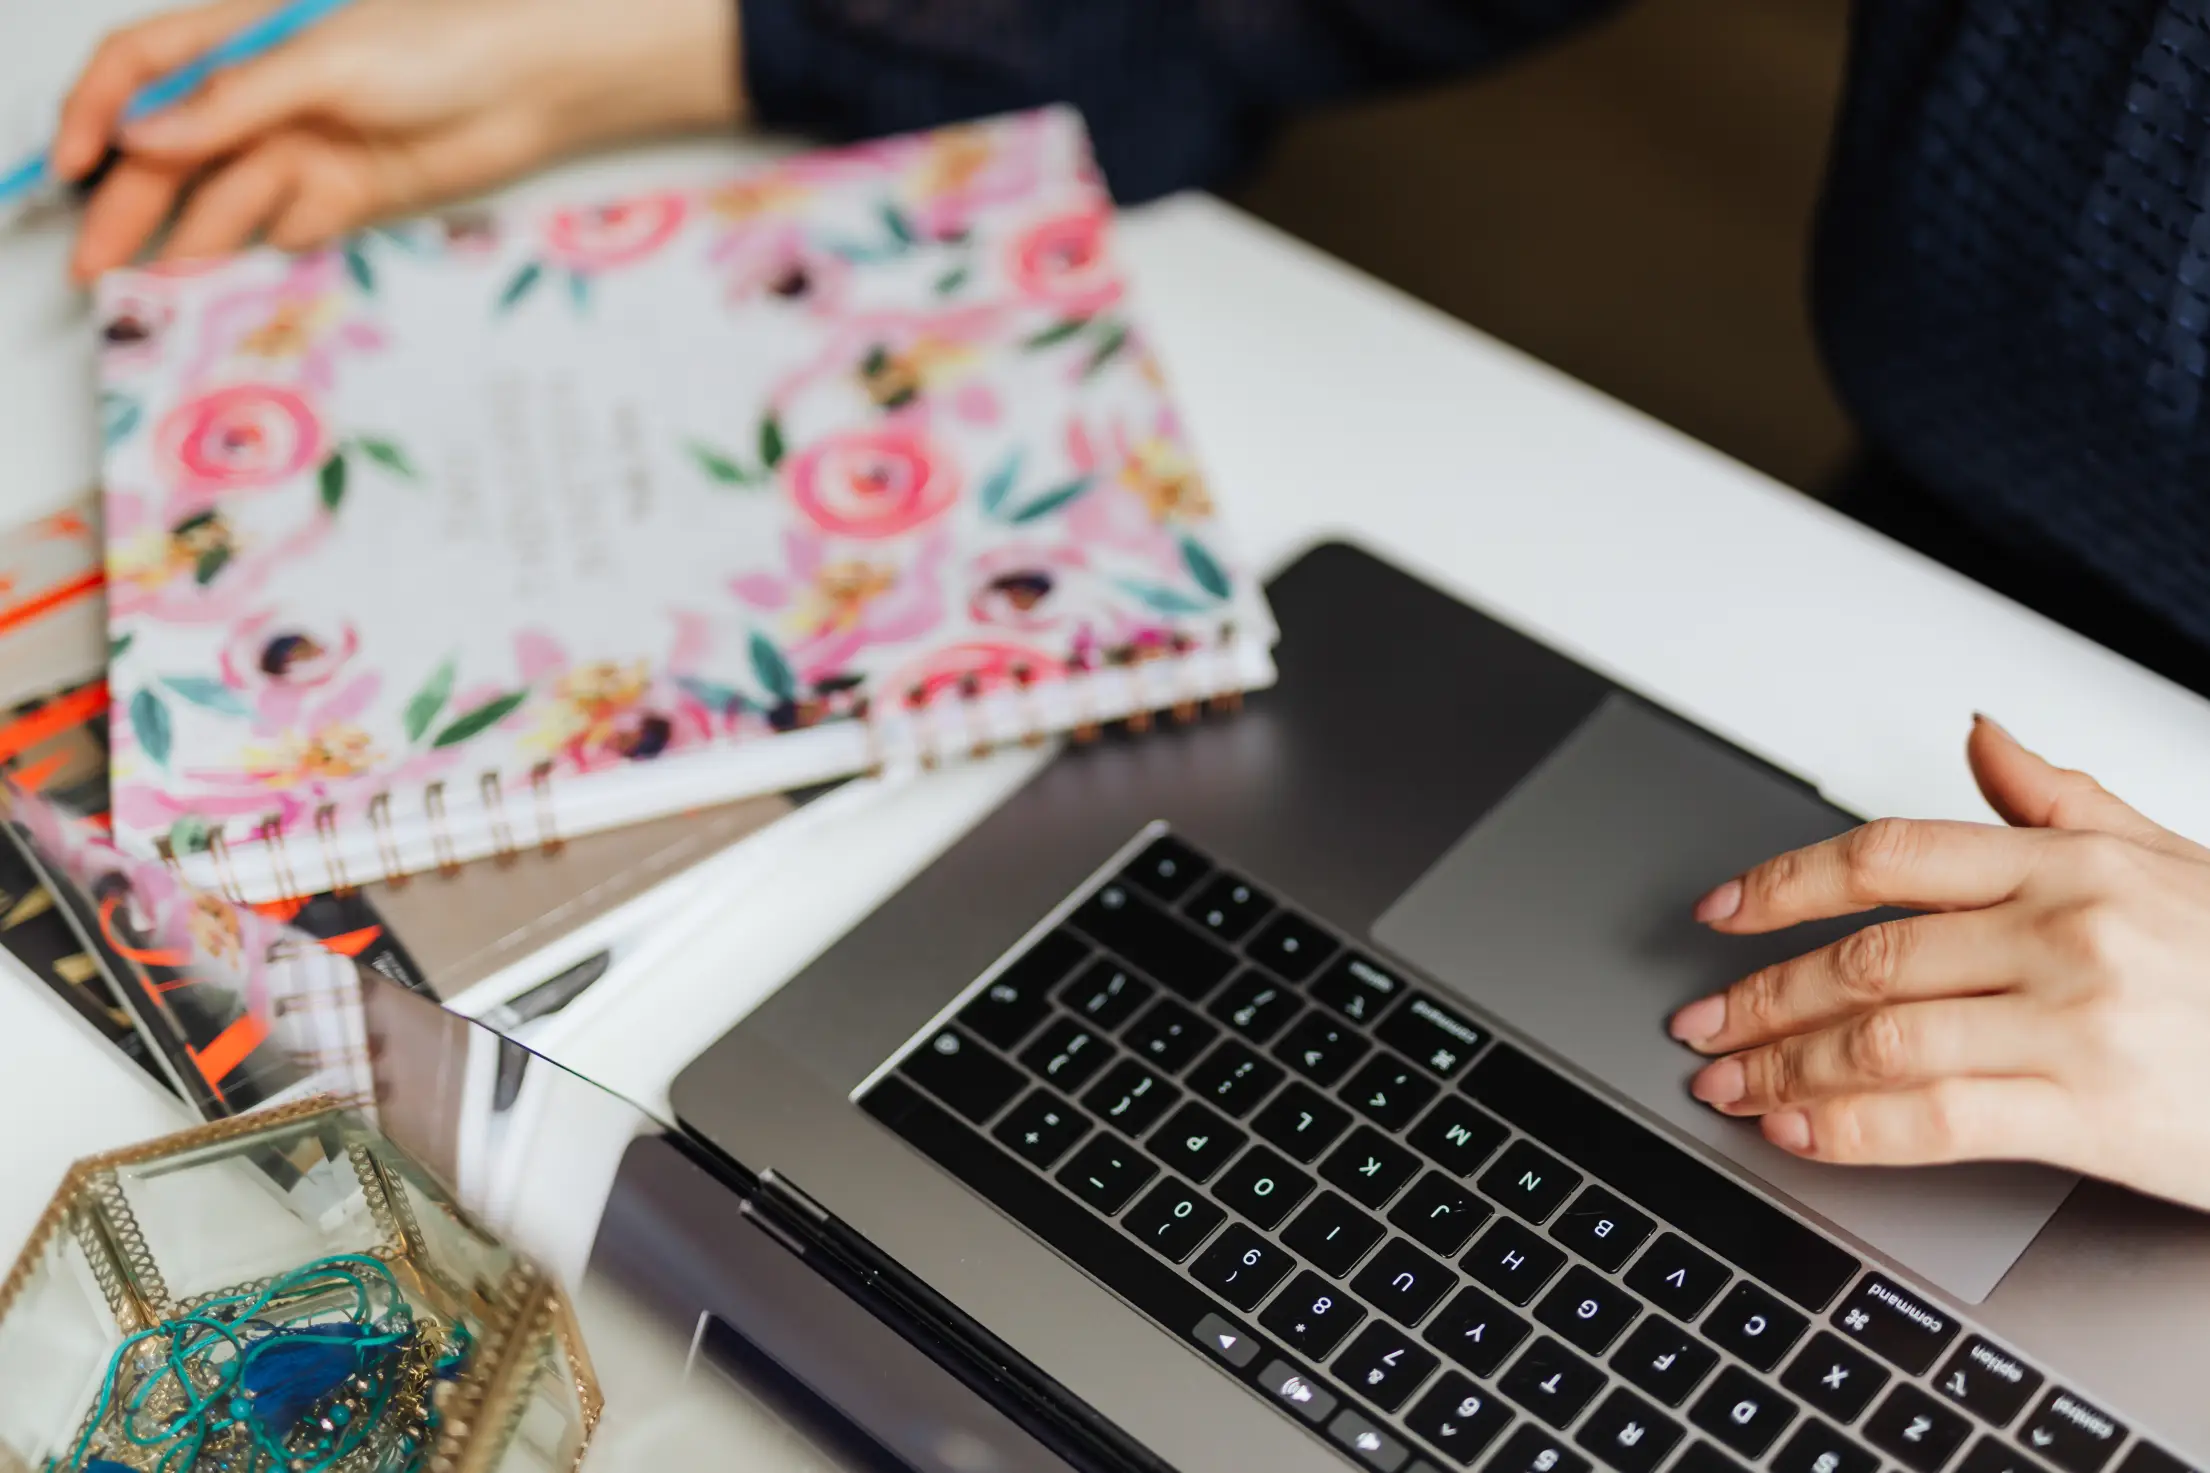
[1566,913]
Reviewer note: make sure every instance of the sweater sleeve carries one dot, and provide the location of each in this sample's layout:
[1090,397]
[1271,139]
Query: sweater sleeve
[1177,93]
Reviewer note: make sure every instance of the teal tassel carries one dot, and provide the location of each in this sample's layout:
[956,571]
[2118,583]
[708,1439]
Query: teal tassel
[289,1372]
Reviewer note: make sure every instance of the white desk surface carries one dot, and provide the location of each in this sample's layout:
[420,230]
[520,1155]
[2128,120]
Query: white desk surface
[1325,404]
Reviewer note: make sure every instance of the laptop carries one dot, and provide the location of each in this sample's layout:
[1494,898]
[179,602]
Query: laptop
[1291,1092]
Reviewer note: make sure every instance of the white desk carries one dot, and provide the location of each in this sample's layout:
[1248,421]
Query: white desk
[1326,404]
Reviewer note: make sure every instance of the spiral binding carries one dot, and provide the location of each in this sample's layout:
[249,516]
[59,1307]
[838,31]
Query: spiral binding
[955,719]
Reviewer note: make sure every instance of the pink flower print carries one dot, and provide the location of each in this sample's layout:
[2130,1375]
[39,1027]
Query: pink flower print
[601,237]
[190,566]
[1153,490]
[276,663]
[305,318]
[872,484]
[773,263]
[603,713]
[240,438]
[836,607]
[959,172]
[134,328]
[1065,263]
[1029,588]
[977,668]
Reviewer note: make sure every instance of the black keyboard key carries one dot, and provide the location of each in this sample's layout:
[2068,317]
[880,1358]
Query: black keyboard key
[1290,947]
[1916,1430]
[1388,1091]
[1384,1366]
[1627,1433]
[1228,906]
[1754,1325]
[1130,1098]
[2147,1457]
[1439,1214]
[1106,1173]
[1530,1181]
[1234,1079]
[1742,1412]
[1369,1166]
[1332,1235]
[1817,1448]
[1587,1309]
[1510,1259]
[1196,1142]
[1837,1380]
[1067,1053]
[1041,1128]
[1320,1048]
[1458,1136]
[1312,1316]
[1660,1177]
[1301,1121]
[1358,988]
[1019,998]
[1476,1331]
[1172,1219]
[1601,1228]
[1241,1266]
[2076,1435]
[1262,1186]
[1256,1005]
[1297,1391]
[963,1074]
[1702,1457]
[1169,1035]
[1437,1038]
[1552,1382]
[1168,868]
[1225,1340]
[1664,1360]
[1458,1419]
[1106,994]
[1677,1277]
[1897,1324]
[1988,1381]
[1403,1283]
[1118,918]
[1366,1442]
[1989,1455]
[1533,1450]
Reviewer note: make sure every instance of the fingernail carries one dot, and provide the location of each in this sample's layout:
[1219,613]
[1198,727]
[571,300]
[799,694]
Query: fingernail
[1720,903]
[1700,1020]
[1790,1130]
[1981,718]
[1720,1084]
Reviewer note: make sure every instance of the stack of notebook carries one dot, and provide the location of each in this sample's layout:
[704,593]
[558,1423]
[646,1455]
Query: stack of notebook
[482,573]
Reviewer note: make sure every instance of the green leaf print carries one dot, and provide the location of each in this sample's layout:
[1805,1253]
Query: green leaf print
[1056,334]
[208,694]
[357,267]
[1051,501]
[332,479]
[1204,568]
[1162,600]
[481,719]
[115,647]
[579,290]
[119,415]
[901,230]
[1000,485]
[211,563]
[1108,348]
[389,456]
[722,468]
[422,709]
[725,699]
[772,670]
[520,286]
[771,442]
[951,281]
[191,834]
[149,723]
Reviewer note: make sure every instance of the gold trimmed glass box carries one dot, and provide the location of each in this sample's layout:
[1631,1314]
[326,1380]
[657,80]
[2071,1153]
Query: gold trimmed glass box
[282,1291]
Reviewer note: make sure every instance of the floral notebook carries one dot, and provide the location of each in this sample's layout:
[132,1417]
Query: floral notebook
[478,532]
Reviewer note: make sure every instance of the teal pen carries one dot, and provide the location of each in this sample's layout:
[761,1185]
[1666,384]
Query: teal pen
[264,35]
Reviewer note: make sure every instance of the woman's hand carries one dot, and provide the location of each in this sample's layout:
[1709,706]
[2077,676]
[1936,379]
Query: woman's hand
[2051,1002]
[389,106]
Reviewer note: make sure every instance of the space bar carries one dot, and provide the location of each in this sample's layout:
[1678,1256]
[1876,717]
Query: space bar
[1754,1235]
[1059,1220]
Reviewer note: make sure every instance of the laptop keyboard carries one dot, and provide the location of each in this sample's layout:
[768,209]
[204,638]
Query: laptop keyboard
[1420,1243]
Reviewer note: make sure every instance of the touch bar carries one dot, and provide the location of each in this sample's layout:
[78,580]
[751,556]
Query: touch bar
[1733,1223]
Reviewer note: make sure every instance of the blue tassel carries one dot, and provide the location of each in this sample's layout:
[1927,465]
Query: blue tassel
[102,1465]
[291,1371]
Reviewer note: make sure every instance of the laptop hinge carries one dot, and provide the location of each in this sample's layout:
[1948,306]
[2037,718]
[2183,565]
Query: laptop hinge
[784,1193]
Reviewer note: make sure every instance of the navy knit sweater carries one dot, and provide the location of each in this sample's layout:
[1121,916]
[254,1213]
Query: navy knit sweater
[2012,283]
